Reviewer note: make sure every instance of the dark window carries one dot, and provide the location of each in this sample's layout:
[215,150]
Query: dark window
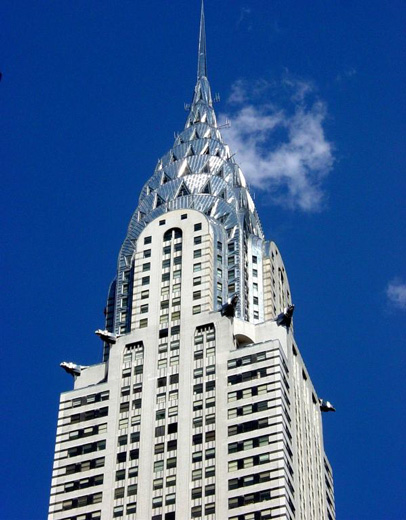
[159,431]
[147,240]
[173,427]
[198,227]
[174,378]
[163,333]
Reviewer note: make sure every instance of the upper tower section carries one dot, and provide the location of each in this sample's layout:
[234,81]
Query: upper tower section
[200,173]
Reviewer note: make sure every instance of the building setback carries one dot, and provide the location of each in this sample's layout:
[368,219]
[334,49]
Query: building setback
[200,408]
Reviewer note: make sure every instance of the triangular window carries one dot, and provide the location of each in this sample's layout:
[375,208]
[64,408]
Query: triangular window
[206,150]
[187,170]
[141,215]
[173,157]
[183,191]
[220,173]
[190,152]
[218,153]
[222,195]
[207,188]
[223,218]
[208,211]
[159,201]
[206,168]
[165,179]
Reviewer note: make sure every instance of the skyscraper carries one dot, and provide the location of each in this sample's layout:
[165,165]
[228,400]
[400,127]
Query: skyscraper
[202,406]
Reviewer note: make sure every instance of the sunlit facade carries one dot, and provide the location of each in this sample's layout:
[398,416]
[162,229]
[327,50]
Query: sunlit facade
[194,412]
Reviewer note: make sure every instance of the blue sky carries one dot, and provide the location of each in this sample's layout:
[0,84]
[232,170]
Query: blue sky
[91,95]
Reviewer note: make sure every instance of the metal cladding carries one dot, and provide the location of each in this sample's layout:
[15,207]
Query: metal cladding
[198,172]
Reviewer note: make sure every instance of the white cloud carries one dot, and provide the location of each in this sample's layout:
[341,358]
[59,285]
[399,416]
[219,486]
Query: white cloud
[396,293]
[281,147]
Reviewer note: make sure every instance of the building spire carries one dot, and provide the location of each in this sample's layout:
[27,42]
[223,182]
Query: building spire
[202,58]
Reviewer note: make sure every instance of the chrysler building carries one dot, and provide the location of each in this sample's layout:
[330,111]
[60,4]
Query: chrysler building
[202,406]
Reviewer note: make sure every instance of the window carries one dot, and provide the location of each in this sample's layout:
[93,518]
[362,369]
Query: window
[166,277]
[210,436]
[210,471]
[157,502]
[172,445]
[144,309]
[198,372]
[146,267]
[170,499]
[132,490]
[197,253]
[197,405]
[210,453]
[166,250]
[197,422]
[166,263]
[159,415]
[255,272]
[145,280]
[173,394]
[162,363]
[172,411]
[183,217]
[158,466]
[171,463]
[171,481]
[172,428]
[131,508]
[209,490]
[197,267]
[162,222]
[122,440]
[175,315]
[196,511]
[197,309]
[198,227]
[197,456]
[219,246]
[147,240]
[197,474]
[197,281]
[197,295]
[175,330]
[196,493]
[159,431]
[173,361]
[144,295]
[174,378]
[197,240]
[255,300]
[120,475]
[254,259]
[211,418]
[158,483]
